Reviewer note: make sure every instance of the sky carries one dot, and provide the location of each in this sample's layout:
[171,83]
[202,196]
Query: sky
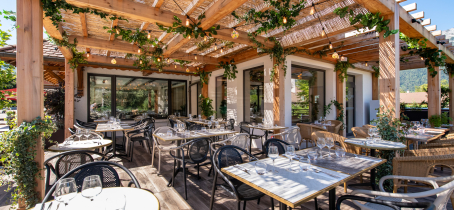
[441,12]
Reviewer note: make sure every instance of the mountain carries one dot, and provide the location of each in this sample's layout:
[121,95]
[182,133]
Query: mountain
[409,79]
[449,34]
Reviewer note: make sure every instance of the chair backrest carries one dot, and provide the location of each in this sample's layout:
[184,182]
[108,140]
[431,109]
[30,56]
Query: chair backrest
[84,124]
[244,129]
[293,136]
[360,132]
[337,126]
[195,127]
[442,144]
[198,150]
[172,122]
[429,152]
[231,124]
[72,131]
[229,155]
[369,126]
[188,124]
[240,140]
[306,130]
[276,142]
[337,138]
[163,130]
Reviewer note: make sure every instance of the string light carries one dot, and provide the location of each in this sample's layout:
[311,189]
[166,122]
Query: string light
[189,37]
[113,61]
[88,54]
[422,58]
[195,56]
[205,38]
[323,32]
[342,57]
[149,35]
[187,20]
[222,49]
[168,60]
[312,9]
[284,20]
[335,55]
[215,46]
[159,59]
[175,66]
[140,61]
[117,30]
[187,69]
[138,50]
[330,46]
[366,63]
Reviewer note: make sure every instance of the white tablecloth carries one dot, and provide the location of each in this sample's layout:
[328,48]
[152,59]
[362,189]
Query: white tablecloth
[82,145]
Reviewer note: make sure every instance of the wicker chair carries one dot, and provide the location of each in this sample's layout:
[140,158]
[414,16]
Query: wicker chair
[337,126]
[446,143]
[306,131]
[360,132]
[369,126]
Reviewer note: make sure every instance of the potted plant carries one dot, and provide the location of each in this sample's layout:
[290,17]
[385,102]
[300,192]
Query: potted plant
[435,121]
[206,106]
[54,104]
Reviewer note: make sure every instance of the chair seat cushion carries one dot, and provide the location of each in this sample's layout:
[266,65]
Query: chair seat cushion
[245,191]
[381,207]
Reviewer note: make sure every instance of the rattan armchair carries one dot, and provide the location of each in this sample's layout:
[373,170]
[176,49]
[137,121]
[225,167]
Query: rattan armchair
[337,126]
[438,144]
[306,131]
[360,132]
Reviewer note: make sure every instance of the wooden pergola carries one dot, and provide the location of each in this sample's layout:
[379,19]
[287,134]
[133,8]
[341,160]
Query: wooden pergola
[363,48]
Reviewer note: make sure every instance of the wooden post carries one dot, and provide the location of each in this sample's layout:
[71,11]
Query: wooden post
[279,95]
[433,93]
[30,77]
[80,81]
[451,96]
[389,56]
[375,88]
[69,98]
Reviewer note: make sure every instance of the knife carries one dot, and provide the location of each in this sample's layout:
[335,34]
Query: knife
[241,168]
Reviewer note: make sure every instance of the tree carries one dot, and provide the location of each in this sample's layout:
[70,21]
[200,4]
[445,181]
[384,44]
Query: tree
[7,74]
[444,93]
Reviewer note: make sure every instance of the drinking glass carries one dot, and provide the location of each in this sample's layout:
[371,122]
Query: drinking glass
[260,167]
[116,202]
[221,130]
[169,133]
[340,152]
[200,117]
[312,156]
[218,127]
[79,133]
[329,143]
[204,130]
[304,164]
[273,153]
[209,124]
[263,121]
[66,190]
[87,133]
[91,187]
[290,153]
[320,144]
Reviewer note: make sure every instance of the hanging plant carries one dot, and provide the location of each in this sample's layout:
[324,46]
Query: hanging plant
[449,68]
[206,106]
[18,158]
[203,45]
[368,21]
[229,69]
[432,58]
[412,43]
[376,71]
[282,13]
[204,76]
[78,57]
[342,68]
[149,59]
[182,63]
[138,37]
[192,30]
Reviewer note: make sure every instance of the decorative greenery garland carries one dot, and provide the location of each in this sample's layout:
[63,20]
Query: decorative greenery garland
[193,30]
[413,43]
[229,69]
[368,20]
[449,68]
[376,71]
[18,158]
[201,46]
[340,117]
[181,62]
[342,68]
[282,14]
[204,76]
[78,57]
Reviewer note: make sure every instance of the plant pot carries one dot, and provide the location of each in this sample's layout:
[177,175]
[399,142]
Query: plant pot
[58,136]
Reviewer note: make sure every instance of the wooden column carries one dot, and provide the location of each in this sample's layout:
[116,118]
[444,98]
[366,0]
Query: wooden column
[30,77]
[434,93]
[375,88]
[279,95]
[389,56]
[80,81]
[69,98]
[451,96]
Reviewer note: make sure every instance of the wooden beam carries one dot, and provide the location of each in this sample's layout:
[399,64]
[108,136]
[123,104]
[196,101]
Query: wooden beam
[426,22]
[340,95]
[192,57]
[441,37]
[80,82]
[319,38]
[215,13]
[83,22]
[436,33]
[375,88]
[54,68]
[433,93]
[57,34]
[112,35]
[69,98]
[410,7]
[451,96]
[431,28]
[30,78]
[418,15]
[53,75]
[158,3]
[341,38]
[412,65]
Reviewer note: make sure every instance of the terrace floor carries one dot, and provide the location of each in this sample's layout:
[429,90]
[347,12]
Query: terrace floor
[199,191]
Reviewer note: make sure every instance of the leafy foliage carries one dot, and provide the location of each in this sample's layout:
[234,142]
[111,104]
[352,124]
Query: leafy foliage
[193,30]
[433,57]
[7,74]
[444,87]
[274,17]
[201,46]
[78,57]
[412,43]
[449,68]
[411,79]
[150,57]
[18,149]
[182,62]
[342,67]
[54,102]
[206,106]
[376,71]
[204,76]
[340,107]
[438,120]
[368,20]
[229,69]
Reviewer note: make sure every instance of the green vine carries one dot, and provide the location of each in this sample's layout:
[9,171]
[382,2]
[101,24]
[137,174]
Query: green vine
[182,63]
[281,14]
[204,76]
[149,57]
[229,69]
[193,30]
[449,68]
[413,43]
[340,107]
[18,158]
[342,68]
[203,45]
[78,57]
[376,71]
[368,21]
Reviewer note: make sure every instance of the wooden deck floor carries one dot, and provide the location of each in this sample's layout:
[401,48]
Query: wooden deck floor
[199,190]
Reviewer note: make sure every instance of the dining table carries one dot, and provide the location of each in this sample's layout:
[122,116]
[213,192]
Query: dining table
[135,198]
[205,122]
[87,144]
[380,145]
[427,136]
[292,189]
[101,128]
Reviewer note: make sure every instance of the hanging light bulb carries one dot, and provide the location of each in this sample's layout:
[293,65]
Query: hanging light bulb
[284,20]
[88,54]
[175,66]
[187,69]
[205,38]
[117,30]
[422,58]
[189,37]
[113,61]
[367,63]
[335,55]
[235,33]
[195,56]
[140,62]
[187,20]
[222,49]
[215,46]
[159,59]
[168,60]
[342,57]
[149,35]
[312,9]
[330,46]
[138,50]
[323,32]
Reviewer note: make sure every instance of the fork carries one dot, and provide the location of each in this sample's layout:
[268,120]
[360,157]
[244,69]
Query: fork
[332,175]
[241,168]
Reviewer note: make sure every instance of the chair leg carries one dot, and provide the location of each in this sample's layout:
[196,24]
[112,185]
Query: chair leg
[159,163]
[131,150]
[244,205]
[198,171]
[345,187]
[316,203]
[173,175]
[272,203]
[211,168]
[213,190]
[152,156]
[184,177]
[239,205]
[258,201]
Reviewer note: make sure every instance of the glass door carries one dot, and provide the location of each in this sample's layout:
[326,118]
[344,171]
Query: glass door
[350,106]
[100,103]
[221,97]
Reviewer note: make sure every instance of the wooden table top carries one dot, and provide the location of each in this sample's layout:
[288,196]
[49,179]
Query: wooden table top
[81,145]
[205,123]
[266,128]
[382,145]
[293,189]
[198,134]
[107,128]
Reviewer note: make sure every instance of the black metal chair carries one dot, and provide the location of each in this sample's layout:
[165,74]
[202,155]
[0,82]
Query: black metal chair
[231,125]
[276,142]
[244,129]
[67,161]
[153,123]
[196,153]
[85,124]
[195,127]
[386,204]
[108,174]
[134,136]
[72,131]
[226,156]
[172,123]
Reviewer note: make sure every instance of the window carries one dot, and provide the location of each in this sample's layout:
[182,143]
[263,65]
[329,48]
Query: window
[135,96]
[221,97]
[253,94]
[308,94]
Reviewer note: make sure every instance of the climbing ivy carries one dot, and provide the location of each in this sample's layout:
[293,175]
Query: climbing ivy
[342,68]
[193,30]
[339,106]
[78,57]
[204,76]
[412,43]
[376,71]
[229,69]
[449,68]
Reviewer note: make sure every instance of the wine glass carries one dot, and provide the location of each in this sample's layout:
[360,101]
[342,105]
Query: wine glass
[329,143]
[273,153]
[209,124]
[87,133]
[320,144]
[200,117]
[66,190]
[260,167]
[91,187]
[290,153]
[312,156]
[79,133]
[340,152]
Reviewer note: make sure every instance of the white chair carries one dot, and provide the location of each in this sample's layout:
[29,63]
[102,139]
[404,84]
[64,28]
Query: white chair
[443,193]
[292,136]
[239,140]
[161,145]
